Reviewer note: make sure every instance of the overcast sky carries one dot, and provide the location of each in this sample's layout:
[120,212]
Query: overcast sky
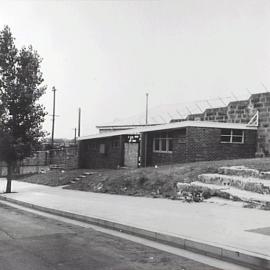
[103,56]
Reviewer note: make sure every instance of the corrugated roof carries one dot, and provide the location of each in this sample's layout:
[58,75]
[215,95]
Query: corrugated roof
[169,126]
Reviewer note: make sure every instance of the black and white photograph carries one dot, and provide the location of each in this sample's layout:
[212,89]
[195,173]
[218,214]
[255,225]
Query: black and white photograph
[134,134]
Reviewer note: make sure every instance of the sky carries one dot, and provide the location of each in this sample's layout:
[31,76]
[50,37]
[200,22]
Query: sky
[103,56]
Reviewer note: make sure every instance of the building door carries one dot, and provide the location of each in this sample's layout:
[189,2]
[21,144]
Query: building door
[131,152]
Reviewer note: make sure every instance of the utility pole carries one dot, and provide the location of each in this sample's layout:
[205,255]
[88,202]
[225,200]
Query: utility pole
[75,135]
[79,123]
[146,110]
[53,116]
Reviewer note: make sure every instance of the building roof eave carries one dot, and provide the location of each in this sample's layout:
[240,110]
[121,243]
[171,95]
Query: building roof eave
[169,126]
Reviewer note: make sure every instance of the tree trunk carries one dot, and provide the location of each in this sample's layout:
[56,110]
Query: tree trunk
[9,176]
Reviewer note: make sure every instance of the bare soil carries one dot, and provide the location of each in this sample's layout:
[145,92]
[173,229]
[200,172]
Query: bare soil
[154,182]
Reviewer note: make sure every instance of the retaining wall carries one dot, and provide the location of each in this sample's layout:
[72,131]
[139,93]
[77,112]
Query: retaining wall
[66,158]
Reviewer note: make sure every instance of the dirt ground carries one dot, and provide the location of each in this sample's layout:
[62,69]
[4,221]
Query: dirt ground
[154,182]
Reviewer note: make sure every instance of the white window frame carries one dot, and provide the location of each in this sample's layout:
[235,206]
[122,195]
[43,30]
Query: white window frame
[232,135]
[159,139]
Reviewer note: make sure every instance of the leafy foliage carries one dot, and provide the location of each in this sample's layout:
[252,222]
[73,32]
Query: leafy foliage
[21,116]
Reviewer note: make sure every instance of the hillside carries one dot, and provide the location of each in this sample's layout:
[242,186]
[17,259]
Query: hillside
[155,182]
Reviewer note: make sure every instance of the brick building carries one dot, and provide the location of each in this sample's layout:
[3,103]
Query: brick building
[241,112]
[178,142]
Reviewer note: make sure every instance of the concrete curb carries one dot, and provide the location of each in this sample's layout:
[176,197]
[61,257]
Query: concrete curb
[256,261]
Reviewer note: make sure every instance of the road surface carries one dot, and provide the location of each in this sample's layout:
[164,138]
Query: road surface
[31,242]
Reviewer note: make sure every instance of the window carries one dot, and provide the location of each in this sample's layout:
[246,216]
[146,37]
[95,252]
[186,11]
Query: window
[163,144]
[102,148]
[156,144]
[232,136]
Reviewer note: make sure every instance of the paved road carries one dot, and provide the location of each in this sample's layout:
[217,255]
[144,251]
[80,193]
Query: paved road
[31,242]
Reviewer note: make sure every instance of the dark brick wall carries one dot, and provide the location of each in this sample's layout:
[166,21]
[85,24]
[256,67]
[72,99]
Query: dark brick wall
[90,156]
[189,144]
[198,144]
[179,149]
[204,144]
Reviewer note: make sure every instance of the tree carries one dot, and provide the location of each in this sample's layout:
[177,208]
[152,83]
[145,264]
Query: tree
[21,116]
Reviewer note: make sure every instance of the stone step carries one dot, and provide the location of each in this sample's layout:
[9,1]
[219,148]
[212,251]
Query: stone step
[235,193]
[244,171]
[57,166]
[252,184]
[88,173]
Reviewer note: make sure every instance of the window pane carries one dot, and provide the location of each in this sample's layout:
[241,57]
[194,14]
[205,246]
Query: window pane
[237,139]
[163,145]
[225,132]
[225,138]
[156,143]
[102,148]
[170,145]
[237,132]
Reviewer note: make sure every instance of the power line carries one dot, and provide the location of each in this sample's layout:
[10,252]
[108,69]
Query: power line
[199,107]
[75,135]
[234,96]
[208,103]
[188,110]
[264,86]
[222,101]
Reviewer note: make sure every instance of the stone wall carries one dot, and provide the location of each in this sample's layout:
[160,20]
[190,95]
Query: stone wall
[238,112]
[3,169]
[261,103]
[39,158]
[66,158]
[215,114]
[241,112]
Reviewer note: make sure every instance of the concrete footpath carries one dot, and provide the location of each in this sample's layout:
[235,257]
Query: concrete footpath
[228,231]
